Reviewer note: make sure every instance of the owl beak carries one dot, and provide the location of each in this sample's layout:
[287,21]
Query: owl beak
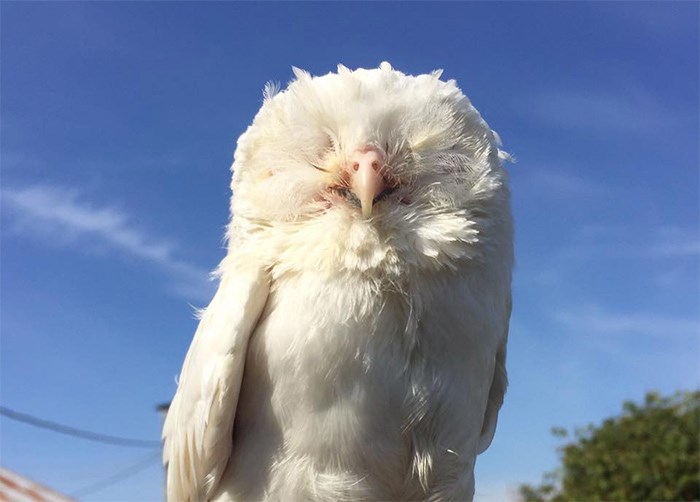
[366,177]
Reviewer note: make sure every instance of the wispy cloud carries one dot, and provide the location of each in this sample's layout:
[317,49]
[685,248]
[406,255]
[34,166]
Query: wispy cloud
[57,214]
[154,160]
[629,111]
[675,242]
[653,17]
[662,347]
[14,159]
[658,242]
[598,321]
[668,254]
[558,183]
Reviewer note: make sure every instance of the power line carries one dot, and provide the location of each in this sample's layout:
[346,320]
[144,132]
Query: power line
[80,433]
[119,476]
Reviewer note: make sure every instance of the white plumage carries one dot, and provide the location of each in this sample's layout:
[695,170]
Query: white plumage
[355,349]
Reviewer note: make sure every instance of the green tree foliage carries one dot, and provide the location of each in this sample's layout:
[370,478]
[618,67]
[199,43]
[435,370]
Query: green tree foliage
[650,452]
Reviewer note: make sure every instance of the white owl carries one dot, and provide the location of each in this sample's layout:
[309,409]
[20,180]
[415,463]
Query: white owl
[355,348]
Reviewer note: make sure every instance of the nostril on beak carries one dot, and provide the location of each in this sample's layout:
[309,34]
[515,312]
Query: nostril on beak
[366,179]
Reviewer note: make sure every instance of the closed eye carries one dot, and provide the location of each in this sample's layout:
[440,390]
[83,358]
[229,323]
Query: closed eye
[328,148]
[319,168]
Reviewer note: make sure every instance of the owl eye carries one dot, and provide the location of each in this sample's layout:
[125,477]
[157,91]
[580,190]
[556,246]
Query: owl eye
[318,167]
[327,148]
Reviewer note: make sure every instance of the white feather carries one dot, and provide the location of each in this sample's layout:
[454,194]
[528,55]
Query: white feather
[374,349]
[198,426]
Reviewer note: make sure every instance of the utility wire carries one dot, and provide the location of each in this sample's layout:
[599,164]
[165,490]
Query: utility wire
[72,431]
[119,476]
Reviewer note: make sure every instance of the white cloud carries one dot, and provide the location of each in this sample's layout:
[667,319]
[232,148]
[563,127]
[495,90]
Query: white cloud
[628,110]
[597,321]
[653,17]
[675,242]
[18,160]
[660,349]
[59,215]
[596,241]
[558,183]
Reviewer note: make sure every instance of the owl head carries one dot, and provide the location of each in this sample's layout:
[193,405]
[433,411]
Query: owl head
[406,160]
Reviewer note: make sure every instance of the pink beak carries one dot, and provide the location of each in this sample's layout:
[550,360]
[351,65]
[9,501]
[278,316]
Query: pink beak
[366,178]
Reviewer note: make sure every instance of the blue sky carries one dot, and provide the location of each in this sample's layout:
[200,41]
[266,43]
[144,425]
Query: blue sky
[119,121]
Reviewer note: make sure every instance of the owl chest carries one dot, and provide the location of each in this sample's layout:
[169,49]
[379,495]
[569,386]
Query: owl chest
[336,347]
[320,331]
[342,372]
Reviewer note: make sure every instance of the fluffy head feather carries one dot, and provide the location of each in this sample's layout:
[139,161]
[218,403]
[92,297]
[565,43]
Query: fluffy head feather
[442,161]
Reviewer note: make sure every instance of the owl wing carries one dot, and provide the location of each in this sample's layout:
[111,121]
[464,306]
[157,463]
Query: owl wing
[499,383]
[197,433]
